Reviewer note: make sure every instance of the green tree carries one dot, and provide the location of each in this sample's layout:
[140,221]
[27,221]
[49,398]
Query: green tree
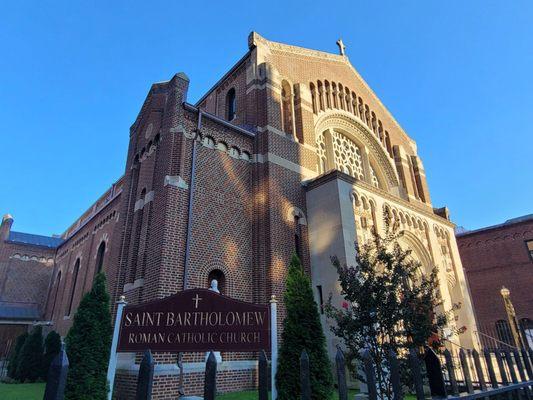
[302,330]
[52,346]
[31,356]
[14,356]
[390,304]
[88,345]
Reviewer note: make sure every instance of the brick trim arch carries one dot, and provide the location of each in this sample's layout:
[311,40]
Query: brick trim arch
[346,123]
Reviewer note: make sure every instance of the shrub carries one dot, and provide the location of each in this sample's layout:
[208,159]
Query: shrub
[14,356]
[302,330]
[31,356]
[88,345]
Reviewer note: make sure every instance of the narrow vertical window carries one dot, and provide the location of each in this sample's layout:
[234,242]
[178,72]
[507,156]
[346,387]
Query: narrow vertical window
[231,104]
[388,144]
[286,108]
[313,96]
[74,282]
[100,258]
[334,93]
[341,97]
[58,282]
[348,100]
[529,246]
[328,94]
[321,95]
[297,237]
[367,116]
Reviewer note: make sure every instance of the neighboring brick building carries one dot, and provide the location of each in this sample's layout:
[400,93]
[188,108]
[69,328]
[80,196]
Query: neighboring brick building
[495,257]
[26,266]
[289,151]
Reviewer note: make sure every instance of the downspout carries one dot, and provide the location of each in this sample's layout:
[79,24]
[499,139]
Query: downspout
[191,201]
[181,389]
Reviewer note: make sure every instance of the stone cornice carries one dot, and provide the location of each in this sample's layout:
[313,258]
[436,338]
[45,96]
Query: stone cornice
[422,209]
[336,174]
[255,39]
[327,177]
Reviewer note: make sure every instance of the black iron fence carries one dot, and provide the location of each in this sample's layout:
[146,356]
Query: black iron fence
[469,375]
[466,375]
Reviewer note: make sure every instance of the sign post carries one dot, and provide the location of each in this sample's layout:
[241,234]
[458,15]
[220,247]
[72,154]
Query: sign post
[274,344]
[113,355]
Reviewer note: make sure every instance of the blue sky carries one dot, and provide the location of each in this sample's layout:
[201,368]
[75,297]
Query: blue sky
[456,75]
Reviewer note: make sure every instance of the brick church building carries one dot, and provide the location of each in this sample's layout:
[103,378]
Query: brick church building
[494,257]
[290,151]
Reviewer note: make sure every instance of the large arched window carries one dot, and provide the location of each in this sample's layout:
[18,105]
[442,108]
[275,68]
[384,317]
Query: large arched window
[231,104]
[58,282]
[75,274]
[218,275]
[337,150]
[100,257]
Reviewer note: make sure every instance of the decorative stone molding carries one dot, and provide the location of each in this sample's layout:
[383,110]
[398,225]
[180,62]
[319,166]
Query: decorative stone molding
[181,130]
[255,39]
[349,124]
[137,284]
[149,197]
[176,181]
[139,204]
[282,162]
[39,259]
[296,212]
[148,131]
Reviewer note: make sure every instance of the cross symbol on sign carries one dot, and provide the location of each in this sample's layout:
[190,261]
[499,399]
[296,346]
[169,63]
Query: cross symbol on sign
[196,300]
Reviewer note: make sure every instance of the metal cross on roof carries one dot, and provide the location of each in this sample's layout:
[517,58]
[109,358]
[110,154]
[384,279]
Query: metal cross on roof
[342,47]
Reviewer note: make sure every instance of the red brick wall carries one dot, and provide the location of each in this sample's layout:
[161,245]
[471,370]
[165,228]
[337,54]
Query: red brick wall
[498,257]
[82,245]
[25,273]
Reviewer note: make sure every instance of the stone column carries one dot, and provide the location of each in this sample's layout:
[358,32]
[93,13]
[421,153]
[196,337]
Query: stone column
[365,155]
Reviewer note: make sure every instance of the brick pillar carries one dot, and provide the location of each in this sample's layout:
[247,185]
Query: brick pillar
[402,166]
[420,177]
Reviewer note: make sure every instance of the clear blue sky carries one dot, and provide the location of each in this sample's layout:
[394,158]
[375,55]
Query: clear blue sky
[457,75]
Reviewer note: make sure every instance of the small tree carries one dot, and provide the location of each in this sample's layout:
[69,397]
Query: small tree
[31,356]
[88,345]
[52,346]
[389,304]
[302,330]
[15,356]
